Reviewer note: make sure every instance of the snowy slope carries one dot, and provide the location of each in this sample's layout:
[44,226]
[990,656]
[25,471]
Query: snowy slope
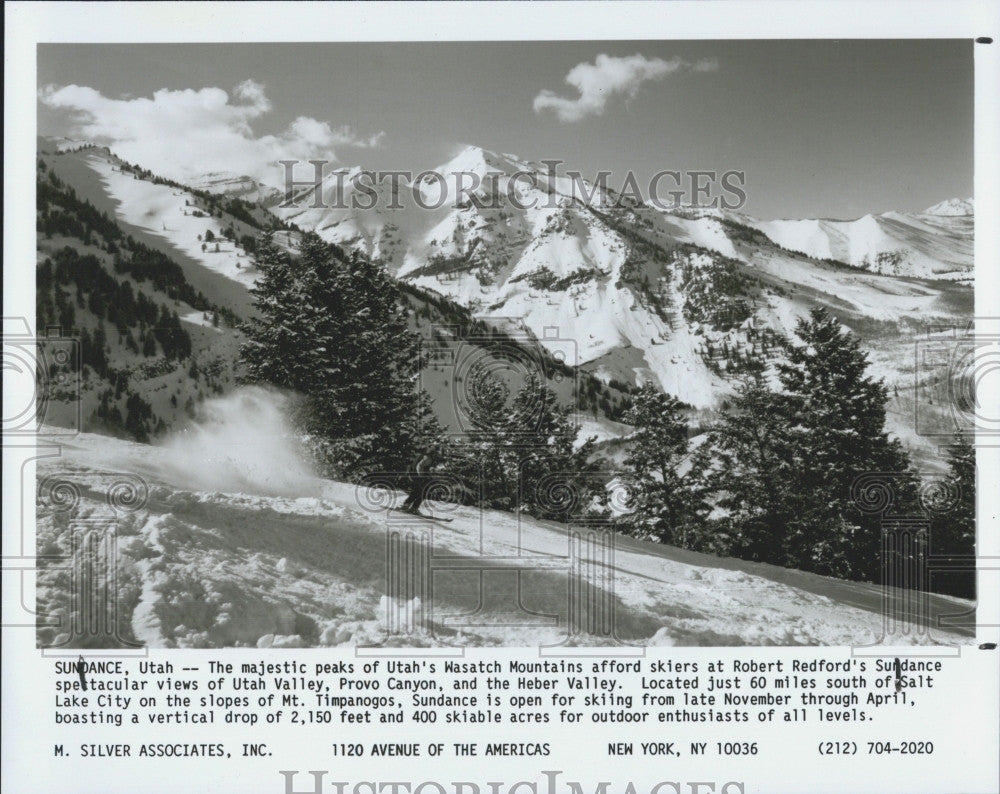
[936,243]
[176,216]
[238,545]
[161,210]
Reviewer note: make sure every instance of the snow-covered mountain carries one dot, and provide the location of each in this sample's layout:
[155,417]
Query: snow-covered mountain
[674,296]
[239,186]
[678,297]
[952,207]
[935,243]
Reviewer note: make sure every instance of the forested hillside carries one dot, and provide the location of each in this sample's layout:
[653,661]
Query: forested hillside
[150,345]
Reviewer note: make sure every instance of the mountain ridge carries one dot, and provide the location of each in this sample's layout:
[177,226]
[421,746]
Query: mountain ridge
[679,297]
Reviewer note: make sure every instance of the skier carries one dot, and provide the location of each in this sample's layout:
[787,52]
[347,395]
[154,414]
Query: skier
[418,483]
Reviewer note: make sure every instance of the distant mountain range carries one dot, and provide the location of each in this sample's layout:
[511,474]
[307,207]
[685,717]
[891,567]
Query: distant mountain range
[650,293]
[679,296]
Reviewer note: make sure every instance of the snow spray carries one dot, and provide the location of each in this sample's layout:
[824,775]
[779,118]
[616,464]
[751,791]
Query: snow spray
[241,442]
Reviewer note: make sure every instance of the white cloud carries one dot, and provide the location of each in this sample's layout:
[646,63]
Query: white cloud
[609,76]
[252,92]
[186,133]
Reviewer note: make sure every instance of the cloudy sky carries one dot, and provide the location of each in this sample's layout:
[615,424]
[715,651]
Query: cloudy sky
[821,128]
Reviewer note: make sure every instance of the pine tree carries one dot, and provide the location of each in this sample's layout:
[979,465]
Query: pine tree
[668,502]
[521,450]
[139,414]
[557,479]
[751,471]
[98,355]
[488,455]
[786,459]
[331,329]
[953,528]
[836,432]
[148,344]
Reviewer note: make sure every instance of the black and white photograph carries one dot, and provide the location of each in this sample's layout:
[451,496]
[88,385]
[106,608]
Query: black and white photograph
[501,397]
[506,343]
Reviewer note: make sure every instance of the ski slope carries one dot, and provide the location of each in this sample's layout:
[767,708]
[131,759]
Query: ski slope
[239,545]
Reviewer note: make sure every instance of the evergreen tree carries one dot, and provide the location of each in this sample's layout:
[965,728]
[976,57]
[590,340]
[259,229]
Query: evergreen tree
[953,526]
[752,471]
[487,455]
[138,417]
[331,329]
[668,502]
[557,479]
[786,459]
[835,414]
[520,450]
[100,356]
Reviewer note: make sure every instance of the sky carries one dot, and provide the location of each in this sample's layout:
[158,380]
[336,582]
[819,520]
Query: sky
[820,128]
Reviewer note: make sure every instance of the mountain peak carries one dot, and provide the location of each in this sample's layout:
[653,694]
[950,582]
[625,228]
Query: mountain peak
[476,159]
[952,206]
